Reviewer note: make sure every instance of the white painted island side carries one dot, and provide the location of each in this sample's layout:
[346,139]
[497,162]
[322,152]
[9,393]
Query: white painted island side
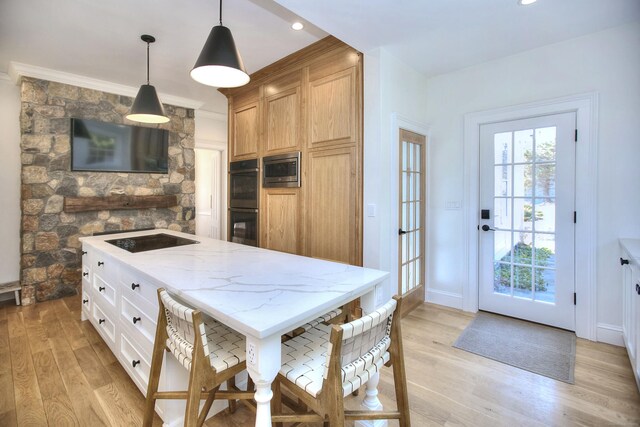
[259,293]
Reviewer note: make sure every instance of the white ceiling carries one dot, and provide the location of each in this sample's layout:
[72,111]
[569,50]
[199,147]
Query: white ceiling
[100,39]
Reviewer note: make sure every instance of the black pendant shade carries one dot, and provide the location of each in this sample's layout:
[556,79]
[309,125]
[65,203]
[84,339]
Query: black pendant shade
[219,63]
[147,107]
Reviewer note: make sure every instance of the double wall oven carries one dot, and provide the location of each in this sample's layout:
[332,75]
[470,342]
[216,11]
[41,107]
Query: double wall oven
[243,202]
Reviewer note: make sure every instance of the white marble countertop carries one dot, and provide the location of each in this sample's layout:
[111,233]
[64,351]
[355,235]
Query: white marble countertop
[632,246]
[256,291]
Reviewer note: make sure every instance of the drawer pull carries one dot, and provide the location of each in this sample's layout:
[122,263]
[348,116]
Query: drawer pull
[100,321]
[84,301]
[135,363]
[101,288]
[84,252]
[136,320]
[85,274]
[134,286]
[100,263]
[638,289]
[624,261]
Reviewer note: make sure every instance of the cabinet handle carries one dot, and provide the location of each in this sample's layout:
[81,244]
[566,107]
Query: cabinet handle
[84,252]
[84,301]
[624,261]
[135,362]
[638,289]
[134,286]
[100,288]
[100,321]
[136,320]
[100,263]
[85,274]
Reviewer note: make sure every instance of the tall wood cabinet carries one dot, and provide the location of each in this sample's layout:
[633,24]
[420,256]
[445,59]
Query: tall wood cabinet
[310,101]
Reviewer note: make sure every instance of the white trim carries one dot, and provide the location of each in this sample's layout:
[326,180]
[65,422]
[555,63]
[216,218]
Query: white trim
[5,77]
[586,108]
[210,144]
[447,299]
[610,334]
[17,70]
[213,115]
[398,122]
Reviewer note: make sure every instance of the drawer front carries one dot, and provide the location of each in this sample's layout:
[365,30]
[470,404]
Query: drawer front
[134,362]
[104,324]
[103,291]
[141,326]
[86,301]
[133,285]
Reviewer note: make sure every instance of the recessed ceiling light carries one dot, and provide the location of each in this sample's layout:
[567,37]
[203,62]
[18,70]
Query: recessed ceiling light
[526,2]
[297,26]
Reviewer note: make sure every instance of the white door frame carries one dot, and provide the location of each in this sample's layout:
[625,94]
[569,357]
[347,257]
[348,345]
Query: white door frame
[221,146]
[398,122]
[586,108]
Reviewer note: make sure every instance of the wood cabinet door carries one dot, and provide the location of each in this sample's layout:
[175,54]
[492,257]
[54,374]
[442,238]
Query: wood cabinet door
[333,105]
[282,112]
[280,220]
[245,132]
[332,208]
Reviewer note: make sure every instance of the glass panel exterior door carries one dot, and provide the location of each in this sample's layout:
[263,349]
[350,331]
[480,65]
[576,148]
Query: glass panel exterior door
[411,233]
[527,195]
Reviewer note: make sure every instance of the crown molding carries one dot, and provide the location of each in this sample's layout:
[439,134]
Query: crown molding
[18,70]
[211,115]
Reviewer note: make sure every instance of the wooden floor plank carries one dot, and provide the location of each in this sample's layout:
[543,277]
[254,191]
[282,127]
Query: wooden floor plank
[97,376]
[7,398]
[29,406]
[57,404]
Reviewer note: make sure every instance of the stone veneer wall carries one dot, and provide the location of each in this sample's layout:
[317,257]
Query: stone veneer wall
[51,255]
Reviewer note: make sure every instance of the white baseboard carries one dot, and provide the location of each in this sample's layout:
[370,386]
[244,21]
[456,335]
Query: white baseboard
[609,334]
[448,299]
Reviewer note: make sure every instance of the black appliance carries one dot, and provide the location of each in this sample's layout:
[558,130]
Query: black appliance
[150,242]
[282,170]
[243,202]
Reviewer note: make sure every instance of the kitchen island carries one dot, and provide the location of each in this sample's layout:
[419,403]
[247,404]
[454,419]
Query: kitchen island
[259,293]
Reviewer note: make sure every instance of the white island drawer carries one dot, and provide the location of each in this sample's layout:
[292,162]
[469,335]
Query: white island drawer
[141,326]
[104,291]
[105,325]
[133,284]
[134,362]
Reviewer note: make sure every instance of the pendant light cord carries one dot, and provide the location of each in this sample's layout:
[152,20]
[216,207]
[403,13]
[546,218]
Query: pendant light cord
[220,12]
[147,63]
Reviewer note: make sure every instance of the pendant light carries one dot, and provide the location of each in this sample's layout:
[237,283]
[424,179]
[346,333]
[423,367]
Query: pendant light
[147,107]
[219,63]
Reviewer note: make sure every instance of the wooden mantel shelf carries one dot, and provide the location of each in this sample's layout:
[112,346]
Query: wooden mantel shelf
[84,204]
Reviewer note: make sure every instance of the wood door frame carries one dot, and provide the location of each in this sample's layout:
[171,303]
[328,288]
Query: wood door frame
[401,122]
[414,297]
[586,108]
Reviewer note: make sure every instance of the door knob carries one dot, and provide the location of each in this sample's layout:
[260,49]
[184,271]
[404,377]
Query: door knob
[401,232]
[487,228]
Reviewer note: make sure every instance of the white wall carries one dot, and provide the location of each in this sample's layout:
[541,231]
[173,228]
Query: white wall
[211,135]
[9,180]
[390,86]
[607,62]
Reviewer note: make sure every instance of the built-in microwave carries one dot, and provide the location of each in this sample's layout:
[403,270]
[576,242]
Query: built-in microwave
[282,170]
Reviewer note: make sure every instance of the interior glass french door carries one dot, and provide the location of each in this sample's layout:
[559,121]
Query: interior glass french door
[527,185]
[411,233]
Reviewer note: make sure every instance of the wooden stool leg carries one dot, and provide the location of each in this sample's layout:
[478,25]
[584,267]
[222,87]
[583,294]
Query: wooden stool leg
[231,384]
[276,401]
[156,367]
[193,400]
[207,406]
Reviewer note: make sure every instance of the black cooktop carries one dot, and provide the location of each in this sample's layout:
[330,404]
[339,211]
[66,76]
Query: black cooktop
[150,242]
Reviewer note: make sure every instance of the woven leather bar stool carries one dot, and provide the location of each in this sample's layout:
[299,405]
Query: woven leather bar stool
[326,363]
[209,350]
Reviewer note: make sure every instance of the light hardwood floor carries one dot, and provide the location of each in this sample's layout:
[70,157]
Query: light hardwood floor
[56,370]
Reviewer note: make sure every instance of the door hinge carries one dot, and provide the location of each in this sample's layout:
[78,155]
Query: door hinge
[575,217]
[574,298]
[575,138]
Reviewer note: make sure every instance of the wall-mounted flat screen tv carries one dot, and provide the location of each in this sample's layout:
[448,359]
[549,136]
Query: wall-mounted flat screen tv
[109,147]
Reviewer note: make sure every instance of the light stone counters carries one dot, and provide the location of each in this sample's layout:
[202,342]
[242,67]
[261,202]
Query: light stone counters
[260,293]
